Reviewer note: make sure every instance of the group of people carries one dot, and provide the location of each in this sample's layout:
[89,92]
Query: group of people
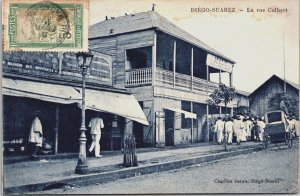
[245,128]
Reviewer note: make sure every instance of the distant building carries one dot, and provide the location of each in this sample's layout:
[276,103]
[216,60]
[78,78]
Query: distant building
[241,99]
[259,98]
[167,70]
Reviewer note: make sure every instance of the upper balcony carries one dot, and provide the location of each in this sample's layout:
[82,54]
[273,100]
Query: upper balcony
[177,64]
[166,78]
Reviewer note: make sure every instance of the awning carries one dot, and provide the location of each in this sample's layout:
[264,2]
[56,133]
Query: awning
[43,91]
[186,113]
[115,103]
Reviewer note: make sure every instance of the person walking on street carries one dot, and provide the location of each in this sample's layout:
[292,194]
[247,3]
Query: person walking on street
[229,129]
[96,124]
[219,128]
[36,134]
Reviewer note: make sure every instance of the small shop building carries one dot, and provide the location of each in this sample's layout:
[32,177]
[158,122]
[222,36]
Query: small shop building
[50,82]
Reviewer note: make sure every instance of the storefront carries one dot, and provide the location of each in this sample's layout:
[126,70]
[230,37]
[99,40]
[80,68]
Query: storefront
[60,115]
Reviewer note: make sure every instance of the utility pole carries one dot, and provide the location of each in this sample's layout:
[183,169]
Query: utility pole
[284,82]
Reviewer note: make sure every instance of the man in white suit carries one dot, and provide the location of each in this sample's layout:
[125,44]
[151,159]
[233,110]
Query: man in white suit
[219,128]
[96,124]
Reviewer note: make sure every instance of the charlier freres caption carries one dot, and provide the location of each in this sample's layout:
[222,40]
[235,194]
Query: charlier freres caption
[247,181]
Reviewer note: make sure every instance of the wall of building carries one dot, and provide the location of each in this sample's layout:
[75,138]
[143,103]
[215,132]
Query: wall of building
[241,100]
[181,136]
[260,100]
[144,94]
[116,47]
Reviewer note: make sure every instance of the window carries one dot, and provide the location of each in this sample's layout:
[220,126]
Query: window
[274,117]
[138,58]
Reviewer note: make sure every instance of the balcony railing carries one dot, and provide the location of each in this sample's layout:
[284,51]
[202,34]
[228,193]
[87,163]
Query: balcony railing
[139,77]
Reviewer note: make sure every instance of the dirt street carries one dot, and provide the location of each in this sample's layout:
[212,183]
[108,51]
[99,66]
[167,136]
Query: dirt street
[271,171]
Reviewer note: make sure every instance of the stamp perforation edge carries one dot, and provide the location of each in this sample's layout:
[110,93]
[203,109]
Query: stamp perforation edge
[84,19]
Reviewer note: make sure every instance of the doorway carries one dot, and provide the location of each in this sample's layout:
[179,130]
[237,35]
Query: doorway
[138,131]
[169,127]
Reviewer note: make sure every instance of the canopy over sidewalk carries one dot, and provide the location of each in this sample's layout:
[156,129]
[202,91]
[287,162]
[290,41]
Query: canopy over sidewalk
[115,103]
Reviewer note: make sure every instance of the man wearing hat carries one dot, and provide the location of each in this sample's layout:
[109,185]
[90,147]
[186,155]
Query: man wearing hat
[36,134]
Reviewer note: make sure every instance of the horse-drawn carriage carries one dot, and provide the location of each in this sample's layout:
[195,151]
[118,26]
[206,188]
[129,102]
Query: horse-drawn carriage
[277,129]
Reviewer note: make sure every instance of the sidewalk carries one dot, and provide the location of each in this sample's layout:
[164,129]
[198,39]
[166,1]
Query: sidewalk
[51,170]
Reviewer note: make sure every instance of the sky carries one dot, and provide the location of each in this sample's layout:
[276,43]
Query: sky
[254,40]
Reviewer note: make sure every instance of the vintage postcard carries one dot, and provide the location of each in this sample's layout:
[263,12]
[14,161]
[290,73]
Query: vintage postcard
[33,25]
[150,97]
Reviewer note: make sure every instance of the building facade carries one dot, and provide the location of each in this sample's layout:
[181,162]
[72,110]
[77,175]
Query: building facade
[50,82]
[259,98]
[167,70]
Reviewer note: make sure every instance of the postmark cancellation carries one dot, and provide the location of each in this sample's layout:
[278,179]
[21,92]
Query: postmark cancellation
[50,25]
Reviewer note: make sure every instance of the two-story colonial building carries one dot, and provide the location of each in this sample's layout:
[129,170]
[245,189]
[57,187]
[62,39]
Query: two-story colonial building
[167,70]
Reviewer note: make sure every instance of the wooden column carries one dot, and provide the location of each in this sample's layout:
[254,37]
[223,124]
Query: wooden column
[230,84]
[56,129]
[207,107]
[220,80]
[192,68]
[207,73]
[174,64]
[154,59]
[192,124]
[207,127]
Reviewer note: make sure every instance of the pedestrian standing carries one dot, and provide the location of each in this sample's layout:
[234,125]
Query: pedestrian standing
[261,124]
[255,130]
[297,126]
[229,129]
[219,126]
[96,124]
[243,131]
[36,134]
[248,127]
[237,127]
[292,126]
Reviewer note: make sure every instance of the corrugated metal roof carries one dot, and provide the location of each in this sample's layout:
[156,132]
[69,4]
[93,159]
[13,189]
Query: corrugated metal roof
[143,21]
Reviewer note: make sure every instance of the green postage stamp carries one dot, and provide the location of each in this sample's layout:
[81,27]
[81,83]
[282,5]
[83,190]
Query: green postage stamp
[45,25]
